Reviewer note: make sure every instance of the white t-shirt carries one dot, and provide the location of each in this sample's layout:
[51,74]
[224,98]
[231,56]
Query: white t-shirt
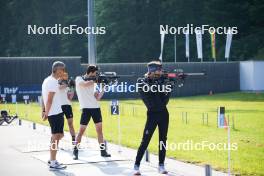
[86,95]
[50,84]
[63,94]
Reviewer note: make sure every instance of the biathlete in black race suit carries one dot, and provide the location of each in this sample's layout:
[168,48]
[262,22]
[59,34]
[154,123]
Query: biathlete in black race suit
[157,115]
[89,103]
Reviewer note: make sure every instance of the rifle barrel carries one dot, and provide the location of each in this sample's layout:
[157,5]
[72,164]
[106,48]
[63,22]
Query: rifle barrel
[194,74]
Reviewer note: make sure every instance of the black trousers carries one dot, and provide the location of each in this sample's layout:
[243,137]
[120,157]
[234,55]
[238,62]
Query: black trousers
[154,119]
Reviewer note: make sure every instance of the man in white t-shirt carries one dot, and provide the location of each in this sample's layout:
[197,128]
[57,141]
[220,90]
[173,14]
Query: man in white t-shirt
[88,98]
[66,94]
[52,111]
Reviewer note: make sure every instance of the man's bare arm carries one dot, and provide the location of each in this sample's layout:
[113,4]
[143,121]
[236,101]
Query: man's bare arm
[42,104]
[43,109]
[48,104]
[98,95]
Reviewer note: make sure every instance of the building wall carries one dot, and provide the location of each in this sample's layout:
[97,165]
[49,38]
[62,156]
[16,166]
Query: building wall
[24,76]
[251,76]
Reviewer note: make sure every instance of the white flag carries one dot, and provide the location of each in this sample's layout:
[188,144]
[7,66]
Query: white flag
[228,44]
[162,36]
[187,47]
[199,44]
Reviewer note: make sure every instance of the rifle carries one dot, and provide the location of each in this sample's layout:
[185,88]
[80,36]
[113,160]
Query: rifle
[70,82]
[109,78]
[177,77]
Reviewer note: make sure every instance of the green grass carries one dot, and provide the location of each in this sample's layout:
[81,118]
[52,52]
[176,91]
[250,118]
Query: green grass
[247,109]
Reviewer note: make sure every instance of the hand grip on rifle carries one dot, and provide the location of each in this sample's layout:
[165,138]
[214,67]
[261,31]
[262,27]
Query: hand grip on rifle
[65,80]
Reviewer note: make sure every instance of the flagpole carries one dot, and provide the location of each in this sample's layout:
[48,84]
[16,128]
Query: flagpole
[91,37]
[175,56]
[229,150]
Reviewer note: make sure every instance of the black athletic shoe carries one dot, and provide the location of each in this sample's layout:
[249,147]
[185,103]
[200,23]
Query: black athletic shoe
[75,153]
[105,154]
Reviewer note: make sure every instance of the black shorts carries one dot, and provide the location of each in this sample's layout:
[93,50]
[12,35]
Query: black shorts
[67,111]
[56,123]
[95,113]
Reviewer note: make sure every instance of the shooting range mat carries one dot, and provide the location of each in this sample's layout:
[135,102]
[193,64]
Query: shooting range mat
[115,168]
[87,156]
